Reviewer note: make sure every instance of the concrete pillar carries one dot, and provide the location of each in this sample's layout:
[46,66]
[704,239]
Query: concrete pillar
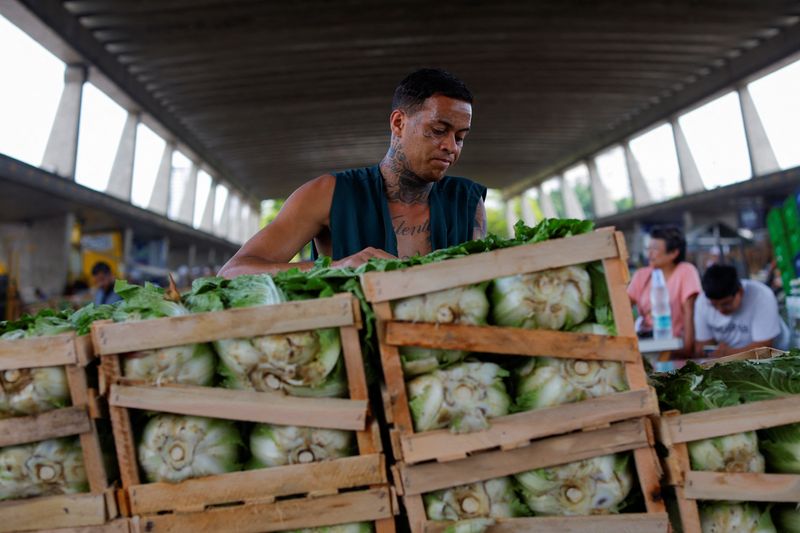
[127,251]
[207,220]
[691,182]
[222,228]
[186,210]
[528,216]
[603,206]
[121,179]
[511,217]
[639,189]
[762,157]
[159,198]
[233,217]
[61,152]
[572,206]
[546,204]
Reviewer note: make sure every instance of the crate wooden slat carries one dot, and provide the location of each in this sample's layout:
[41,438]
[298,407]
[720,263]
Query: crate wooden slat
[225,501]
[367,505]
[230,324]
[48,425]
[95,508]
[248,406]
[423,279]
[677,430]
[531,425]
[512,341]
[620,437]
[628,523]
[467,458]
[68,510]
[120,525]
[251,485]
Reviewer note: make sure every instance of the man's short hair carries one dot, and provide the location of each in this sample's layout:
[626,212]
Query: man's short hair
[101,267]
[424,83]
[674,239]
[720,281]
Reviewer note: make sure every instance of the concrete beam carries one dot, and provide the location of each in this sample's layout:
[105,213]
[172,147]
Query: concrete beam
[120,182]
[61,152]
[601,201]
[639,189]
[159,198]
[762,156]
[691,182]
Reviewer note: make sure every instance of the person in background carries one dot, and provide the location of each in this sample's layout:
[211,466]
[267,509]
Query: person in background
[667,251]
[104,282]
[736,315]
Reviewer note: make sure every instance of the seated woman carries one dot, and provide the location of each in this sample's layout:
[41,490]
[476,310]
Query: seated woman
[667,251]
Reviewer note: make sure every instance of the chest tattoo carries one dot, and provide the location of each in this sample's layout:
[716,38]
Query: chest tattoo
[403,229]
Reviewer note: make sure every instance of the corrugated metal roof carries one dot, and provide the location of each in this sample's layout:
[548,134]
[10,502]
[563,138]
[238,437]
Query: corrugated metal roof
[276,93]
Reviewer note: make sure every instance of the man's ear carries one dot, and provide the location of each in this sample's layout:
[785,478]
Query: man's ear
[397,122]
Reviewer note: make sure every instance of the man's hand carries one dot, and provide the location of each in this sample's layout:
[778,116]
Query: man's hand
[361,257]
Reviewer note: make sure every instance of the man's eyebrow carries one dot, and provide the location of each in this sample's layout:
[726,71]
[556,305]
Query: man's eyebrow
[450,125]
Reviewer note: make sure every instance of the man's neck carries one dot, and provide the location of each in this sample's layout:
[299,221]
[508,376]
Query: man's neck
[400,183]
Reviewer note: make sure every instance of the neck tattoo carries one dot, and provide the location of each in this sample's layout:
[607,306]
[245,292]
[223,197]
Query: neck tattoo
[402,185]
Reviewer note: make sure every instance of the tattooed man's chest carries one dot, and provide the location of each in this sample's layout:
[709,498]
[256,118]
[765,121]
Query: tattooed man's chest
[413,235]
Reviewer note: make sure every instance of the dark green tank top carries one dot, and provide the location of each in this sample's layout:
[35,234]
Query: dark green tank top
[360,218]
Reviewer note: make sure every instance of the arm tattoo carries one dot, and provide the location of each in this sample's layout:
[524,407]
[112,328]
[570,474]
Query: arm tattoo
[479,224]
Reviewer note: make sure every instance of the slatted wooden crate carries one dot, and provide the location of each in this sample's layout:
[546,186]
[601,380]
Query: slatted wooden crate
[517,432]
[94,508]
[350,489]
[675,431]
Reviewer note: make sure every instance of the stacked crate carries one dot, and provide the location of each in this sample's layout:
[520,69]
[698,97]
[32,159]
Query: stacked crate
[677,430]
[783,224]
[351,489]
[93,511]
[434,460]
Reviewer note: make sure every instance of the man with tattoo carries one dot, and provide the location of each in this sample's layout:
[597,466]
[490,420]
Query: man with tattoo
[404,206]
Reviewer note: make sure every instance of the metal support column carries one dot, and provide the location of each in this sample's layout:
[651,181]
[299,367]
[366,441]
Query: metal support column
[61,152]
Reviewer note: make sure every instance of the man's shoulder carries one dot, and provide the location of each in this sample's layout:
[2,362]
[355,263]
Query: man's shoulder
[456,184]
[356,174]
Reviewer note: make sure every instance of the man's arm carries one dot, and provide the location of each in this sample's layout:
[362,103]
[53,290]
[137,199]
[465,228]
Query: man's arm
[304,215]
[479,225]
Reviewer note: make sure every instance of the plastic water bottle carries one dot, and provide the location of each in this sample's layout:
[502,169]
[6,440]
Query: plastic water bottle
[659,303]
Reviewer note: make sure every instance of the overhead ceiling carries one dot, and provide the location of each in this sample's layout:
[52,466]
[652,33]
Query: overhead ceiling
[274,93]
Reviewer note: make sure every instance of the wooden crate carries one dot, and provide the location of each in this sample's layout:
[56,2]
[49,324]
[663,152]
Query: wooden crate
[518,430]
[92,509]
[268,499]
[675,431]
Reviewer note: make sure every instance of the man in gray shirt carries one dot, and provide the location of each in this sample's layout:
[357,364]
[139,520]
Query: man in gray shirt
[736,315]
